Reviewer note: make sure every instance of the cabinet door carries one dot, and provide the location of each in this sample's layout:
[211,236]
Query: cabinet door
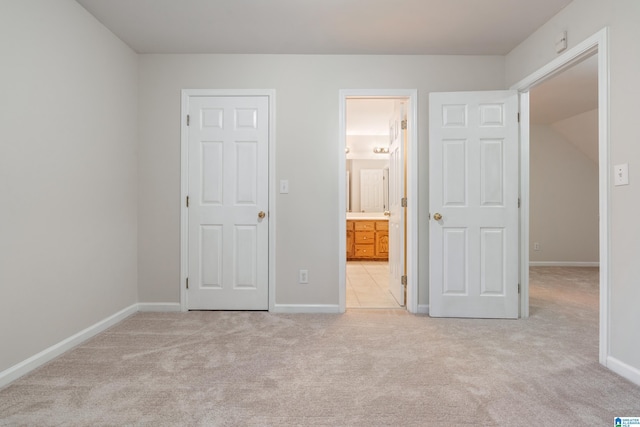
[382,244]
[349,244]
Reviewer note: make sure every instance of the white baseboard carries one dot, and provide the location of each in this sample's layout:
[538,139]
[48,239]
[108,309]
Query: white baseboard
[563,264]
[163,307]
[306,308]
[423,309]
[624,370]
[37,360]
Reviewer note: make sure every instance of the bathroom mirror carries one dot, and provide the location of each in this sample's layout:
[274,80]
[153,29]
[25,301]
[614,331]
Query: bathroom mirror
[368,185]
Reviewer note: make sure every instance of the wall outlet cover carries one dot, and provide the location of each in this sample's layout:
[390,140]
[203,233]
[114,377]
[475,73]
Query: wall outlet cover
[303,276]
[621,174]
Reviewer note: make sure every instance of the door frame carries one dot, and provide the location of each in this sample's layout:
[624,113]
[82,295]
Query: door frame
[597,43]
[184,183]
[412,190]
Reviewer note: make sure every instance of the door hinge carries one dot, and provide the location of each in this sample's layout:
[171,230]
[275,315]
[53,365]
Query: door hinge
[518,117]
[187,283]
[187,201]
[403,202]
[518,202]
[403,280]
[188,117]
[403,124]
[518,287]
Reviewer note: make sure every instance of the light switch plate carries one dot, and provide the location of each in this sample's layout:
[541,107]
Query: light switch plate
[621,174]
[284,186]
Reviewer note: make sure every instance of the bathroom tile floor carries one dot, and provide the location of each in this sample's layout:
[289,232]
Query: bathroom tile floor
[368,285]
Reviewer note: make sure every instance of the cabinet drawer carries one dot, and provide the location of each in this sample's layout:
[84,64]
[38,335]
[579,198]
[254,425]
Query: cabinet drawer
[364,251]
[364,225]
[382,225]
[365,237]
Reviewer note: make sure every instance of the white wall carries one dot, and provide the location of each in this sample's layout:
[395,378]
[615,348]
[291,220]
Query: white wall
[581,130]
[307,100]
[68,131]
[564,200]
[581,19]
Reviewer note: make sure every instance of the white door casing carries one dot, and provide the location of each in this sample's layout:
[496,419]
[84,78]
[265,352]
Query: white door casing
[473,185]
[396,210]
[598,42]
[228,185]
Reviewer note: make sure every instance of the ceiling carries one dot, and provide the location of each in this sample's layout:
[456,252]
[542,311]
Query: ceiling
[572,92]
[479,27]
[369,116]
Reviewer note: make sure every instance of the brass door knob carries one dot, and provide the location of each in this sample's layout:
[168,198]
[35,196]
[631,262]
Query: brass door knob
[437,216]
[261,214]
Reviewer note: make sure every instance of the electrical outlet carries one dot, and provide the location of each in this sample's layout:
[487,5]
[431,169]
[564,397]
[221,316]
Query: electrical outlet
[303,276]
[621,176]
[536,246]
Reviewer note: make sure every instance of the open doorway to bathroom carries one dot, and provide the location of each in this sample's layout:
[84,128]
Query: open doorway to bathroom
[375,187]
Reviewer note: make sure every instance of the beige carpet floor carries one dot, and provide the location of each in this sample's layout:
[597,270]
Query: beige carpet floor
[364,368]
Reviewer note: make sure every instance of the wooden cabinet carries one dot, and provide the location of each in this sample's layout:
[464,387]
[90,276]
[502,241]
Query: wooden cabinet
[382,239]
[367,239]
[350,247]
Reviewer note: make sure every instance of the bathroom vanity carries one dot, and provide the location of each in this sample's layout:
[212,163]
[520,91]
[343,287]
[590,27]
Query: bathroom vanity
[367,238]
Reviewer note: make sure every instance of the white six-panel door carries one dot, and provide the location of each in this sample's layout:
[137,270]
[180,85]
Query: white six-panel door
[473,204]
[371,190]
[228,148]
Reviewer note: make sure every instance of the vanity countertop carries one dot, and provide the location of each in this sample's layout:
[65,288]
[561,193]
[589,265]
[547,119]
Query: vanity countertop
[367,216]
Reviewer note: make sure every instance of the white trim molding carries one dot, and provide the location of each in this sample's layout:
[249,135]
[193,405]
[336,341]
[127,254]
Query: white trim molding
[16,371]
[423,309]
[624,370]
[563,264]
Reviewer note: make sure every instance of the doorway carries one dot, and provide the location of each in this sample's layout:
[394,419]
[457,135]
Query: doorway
[594,44]
[375,241]
[373,127]
[563,186]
